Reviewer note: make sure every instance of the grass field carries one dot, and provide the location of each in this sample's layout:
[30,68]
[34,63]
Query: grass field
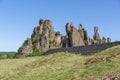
[62,66]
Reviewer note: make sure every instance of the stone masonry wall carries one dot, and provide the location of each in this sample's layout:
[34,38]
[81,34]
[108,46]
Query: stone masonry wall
[84,50]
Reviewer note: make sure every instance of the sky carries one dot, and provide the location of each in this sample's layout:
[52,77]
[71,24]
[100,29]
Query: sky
[19,17]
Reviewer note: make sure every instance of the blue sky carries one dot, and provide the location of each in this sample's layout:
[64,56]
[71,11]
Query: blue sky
[19,17]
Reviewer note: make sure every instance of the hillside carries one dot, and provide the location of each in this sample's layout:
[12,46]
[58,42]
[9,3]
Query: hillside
[63,66]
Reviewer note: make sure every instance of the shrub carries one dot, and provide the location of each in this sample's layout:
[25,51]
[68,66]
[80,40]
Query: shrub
[10,56]
[36,53]
[35,39]
[45,28]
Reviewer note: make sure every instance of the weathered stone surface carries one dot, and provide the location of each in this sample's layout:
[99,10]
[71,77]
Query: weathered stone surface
[74,38]
[84,35]
[58,37]
[44,37]
[87,50]
[41,21]
[108,40]
[96,36]
[81,30]
[64,41]
[103,40]
[26,49]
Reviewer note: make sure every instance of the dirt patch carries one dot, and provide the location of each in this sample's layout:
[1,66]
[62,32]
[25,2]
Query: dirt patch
[114,76]
[102,59]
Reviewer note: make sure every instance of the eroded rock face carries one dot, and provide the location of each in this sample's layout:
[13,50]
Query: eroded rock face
[103,40]
[81,30]
[84,35]
[44,37]
[26,49]
[96,36]
[108,40]
[58,39]
[64,41]
[74,38]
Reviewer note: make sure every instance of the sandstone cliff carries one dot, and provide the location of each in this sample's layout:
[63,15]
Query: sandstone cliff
[44,37]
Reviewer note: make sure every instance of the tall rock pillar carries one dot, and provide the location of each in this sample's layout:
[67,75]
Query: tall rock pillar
[96,36]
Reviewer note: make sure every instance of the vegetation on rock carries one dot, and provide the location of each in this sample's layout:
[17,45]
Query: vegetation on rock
[36,53]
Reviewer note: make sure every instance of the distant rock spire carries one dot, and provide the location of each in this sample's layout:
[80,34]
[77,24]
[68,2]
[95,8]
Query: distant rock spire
[96,36]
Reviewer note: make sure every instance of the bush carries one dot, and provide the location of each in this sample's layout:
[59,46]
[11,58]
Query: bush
[36,53]
[10,56]
[35,39]
[45,28]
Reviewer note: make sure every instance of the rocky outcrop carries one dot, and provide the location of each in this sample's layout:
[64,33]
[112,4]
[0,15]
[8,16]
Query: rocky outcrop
[103,40]
[108,40]
[26,49]
[96,36]
[74,38]
[84,35]
[58,39]
[44,37]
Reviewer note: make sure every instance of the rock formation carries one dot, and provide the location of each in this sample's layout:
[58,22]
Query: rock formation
[58,37]
[96,36]
[74,38]
[44,37]
[26,49]
[84,35]
[108,40]
[103,40]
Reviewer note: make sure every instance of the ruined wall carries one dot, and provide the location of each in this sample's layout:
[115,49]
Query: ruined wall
[85,50]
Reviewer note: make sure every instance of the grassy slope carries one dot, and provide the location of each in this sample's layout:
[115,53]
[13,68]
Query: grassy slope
[60,66]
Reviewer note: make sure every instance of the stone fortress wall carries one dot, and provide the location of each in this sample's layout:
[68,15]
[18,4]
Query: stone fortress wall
[84,50]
